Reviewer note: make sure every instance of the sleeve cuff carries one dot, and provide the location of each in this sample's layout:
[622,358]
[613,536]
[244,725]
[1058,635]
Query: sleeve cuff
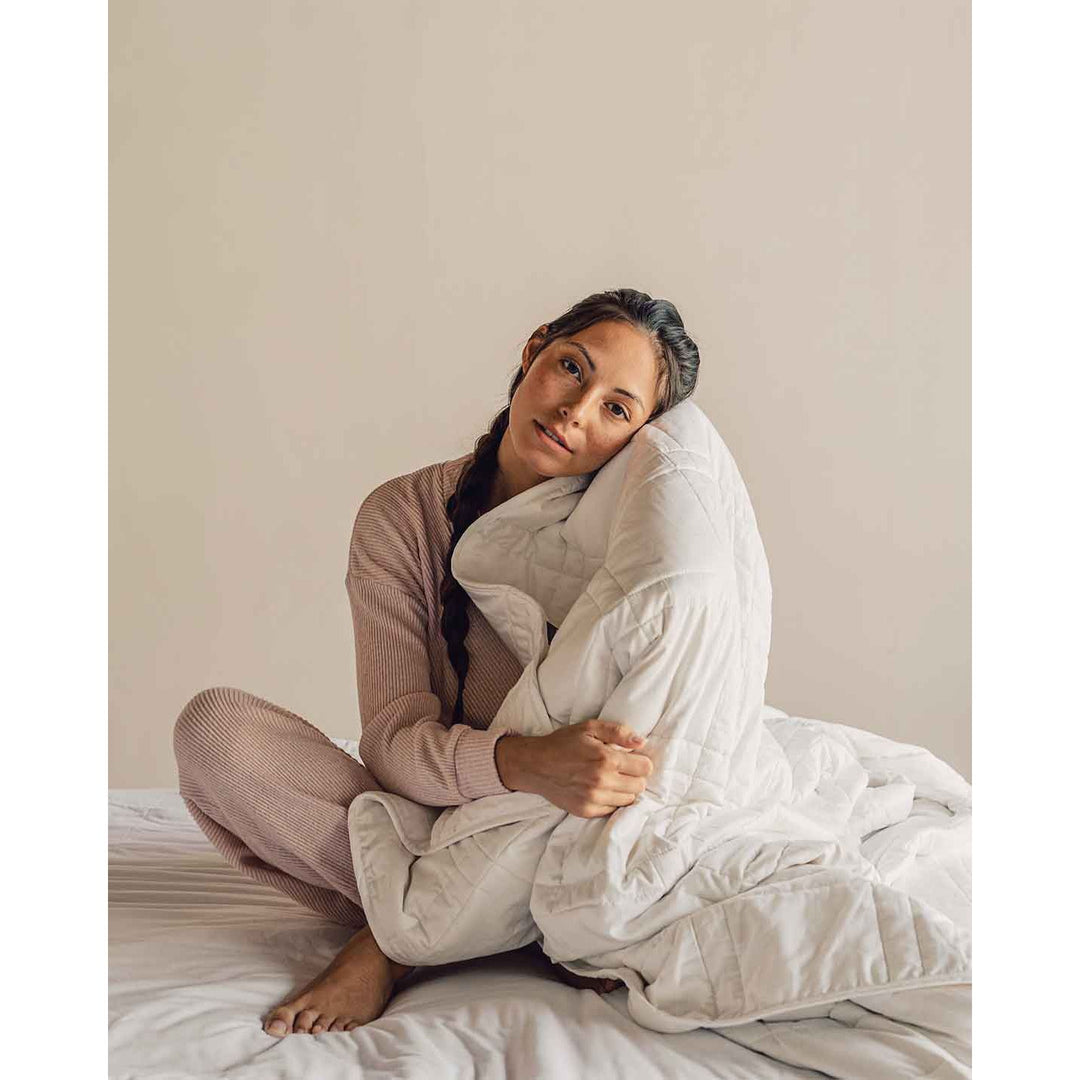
[474,763]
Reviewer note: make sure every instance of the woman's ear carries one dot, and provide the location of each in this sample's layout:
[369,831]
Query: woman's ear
[532,346]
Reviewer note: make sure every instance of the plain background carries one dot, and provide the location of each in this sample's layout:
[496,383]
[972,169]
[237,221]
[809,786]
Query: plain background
[333,227]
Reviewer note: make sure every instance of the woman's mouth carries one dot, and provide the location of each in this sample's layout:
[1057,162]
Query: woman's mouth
[550,440]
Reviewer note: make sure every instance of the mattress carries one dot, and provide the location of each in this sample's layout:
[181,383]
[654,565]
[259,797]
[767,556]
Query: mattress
[198,953]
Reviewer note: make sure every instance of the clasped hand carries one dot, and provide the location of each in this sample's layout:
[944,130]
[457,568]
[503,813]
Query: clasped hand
[589,769]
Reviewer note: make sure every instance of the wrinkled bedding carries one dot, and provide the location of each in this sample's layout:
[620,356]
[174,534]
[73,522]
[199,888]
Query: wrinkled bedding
[198,951]
[776,868]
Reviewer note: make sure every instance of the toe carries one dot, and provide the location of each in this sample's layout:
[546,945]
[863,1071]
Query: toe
[304,1020]
[338,1024]
[322,1023]
[278,1022]
[352,1024]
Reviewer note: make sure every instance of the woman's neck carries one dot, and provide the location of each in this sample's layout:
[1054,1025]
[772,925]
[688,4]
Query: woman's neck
[512,476]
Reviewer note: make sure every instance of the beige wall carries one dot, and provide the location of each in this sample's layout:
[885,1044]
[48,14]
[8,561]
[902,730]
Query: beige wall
[333,226]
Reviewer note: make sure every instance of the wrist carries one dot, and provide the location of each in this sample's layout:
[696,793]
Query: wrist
[510,752]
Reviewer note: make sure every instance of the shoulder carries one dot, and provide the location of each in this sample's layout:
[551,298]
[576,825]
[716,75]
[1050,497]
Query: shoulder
[399,518]
[413,494]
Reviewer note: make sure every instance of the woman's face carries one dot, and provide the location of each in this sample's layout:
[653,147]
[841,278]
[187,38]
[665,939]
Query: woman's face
[594,388]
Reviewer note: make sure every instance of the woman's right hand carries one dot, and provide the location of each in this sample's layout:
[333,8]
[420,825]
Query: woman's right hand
[589,769]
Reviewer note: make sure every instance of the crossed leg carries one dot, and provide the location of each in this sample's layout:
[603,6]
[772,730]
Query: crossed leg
[272,794]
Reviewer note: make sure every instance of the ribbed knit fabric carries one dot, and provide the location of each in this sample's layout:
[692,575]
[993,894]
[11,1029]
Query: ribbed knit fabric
[272,792]
[406,684]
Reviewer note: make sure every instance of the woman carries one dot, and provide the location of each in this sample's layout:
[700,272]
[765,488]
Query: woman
[272,792]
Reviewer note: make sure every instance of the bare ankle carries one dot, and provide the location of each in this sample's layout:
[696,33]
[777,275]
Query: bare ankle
[397,971]
[401,970]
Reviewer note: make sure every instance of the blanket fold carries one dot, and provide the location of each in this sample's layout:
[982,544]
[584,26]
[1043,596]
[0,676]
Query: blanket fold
[774,864]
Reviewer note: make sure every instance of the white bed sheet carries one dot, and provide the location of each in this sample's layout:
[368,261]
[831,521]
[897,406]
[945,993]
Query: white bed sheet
[198,952]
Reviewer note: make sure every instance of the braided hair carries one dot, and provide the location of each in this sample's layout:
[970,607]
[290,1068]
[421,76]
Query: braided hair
[676,376]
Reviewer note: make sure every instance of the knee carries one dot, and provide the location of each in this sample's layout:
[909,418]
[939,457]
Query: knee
[213,724]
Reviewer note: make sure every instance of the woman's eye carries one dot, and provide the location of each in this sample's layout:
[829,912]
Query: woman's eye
[622,414]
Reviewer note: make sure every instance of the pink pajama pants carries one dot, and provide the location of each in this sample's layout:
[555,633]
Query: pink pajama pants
[272,794]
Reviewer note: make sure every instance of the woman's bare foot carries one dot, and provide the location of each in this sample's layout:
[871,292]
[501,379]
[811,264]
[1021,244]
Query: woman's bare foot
[352,990]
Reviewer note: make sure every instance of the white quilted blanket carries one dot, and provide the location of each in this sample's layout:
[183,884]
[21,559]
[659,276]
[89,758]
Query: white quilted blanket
[774,865]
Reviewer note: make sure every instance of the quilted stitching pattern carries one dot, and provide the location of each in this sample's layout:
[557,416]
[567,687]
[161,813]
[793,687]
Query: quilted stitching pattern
[774,862]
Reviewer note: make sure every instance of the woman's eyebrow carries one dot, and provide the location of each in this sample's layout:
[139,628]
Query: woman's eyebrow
[618,389]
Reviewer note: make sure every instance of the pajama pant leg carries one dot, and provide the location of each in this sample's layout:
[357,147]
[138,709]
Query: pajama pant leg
[272,793]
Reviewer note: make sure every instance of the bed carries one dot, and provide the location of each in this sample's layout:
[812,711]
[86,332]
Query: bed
[198,952]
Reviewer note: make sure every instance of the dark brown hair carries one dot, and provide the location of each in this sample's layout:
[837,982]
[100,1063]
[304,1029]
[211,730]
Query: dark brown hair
[676,376]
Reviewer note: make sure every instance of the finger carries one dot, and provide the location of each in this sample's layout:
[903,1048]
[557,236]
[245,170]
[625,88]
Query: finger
[610,731]
[633,764]
[623,784]
[612,799]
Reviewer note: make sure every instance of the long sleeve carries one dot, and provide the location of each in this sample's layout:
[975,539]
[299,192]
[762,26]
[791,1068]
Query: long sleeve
[407,740]
[404,740]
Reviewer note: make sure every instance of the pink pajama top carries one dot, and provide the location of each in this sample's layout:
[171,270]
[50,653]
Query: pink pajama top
[405,682]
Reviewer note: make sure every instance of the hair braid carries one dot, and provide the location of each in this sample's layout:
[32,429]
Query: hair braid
[463,508]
